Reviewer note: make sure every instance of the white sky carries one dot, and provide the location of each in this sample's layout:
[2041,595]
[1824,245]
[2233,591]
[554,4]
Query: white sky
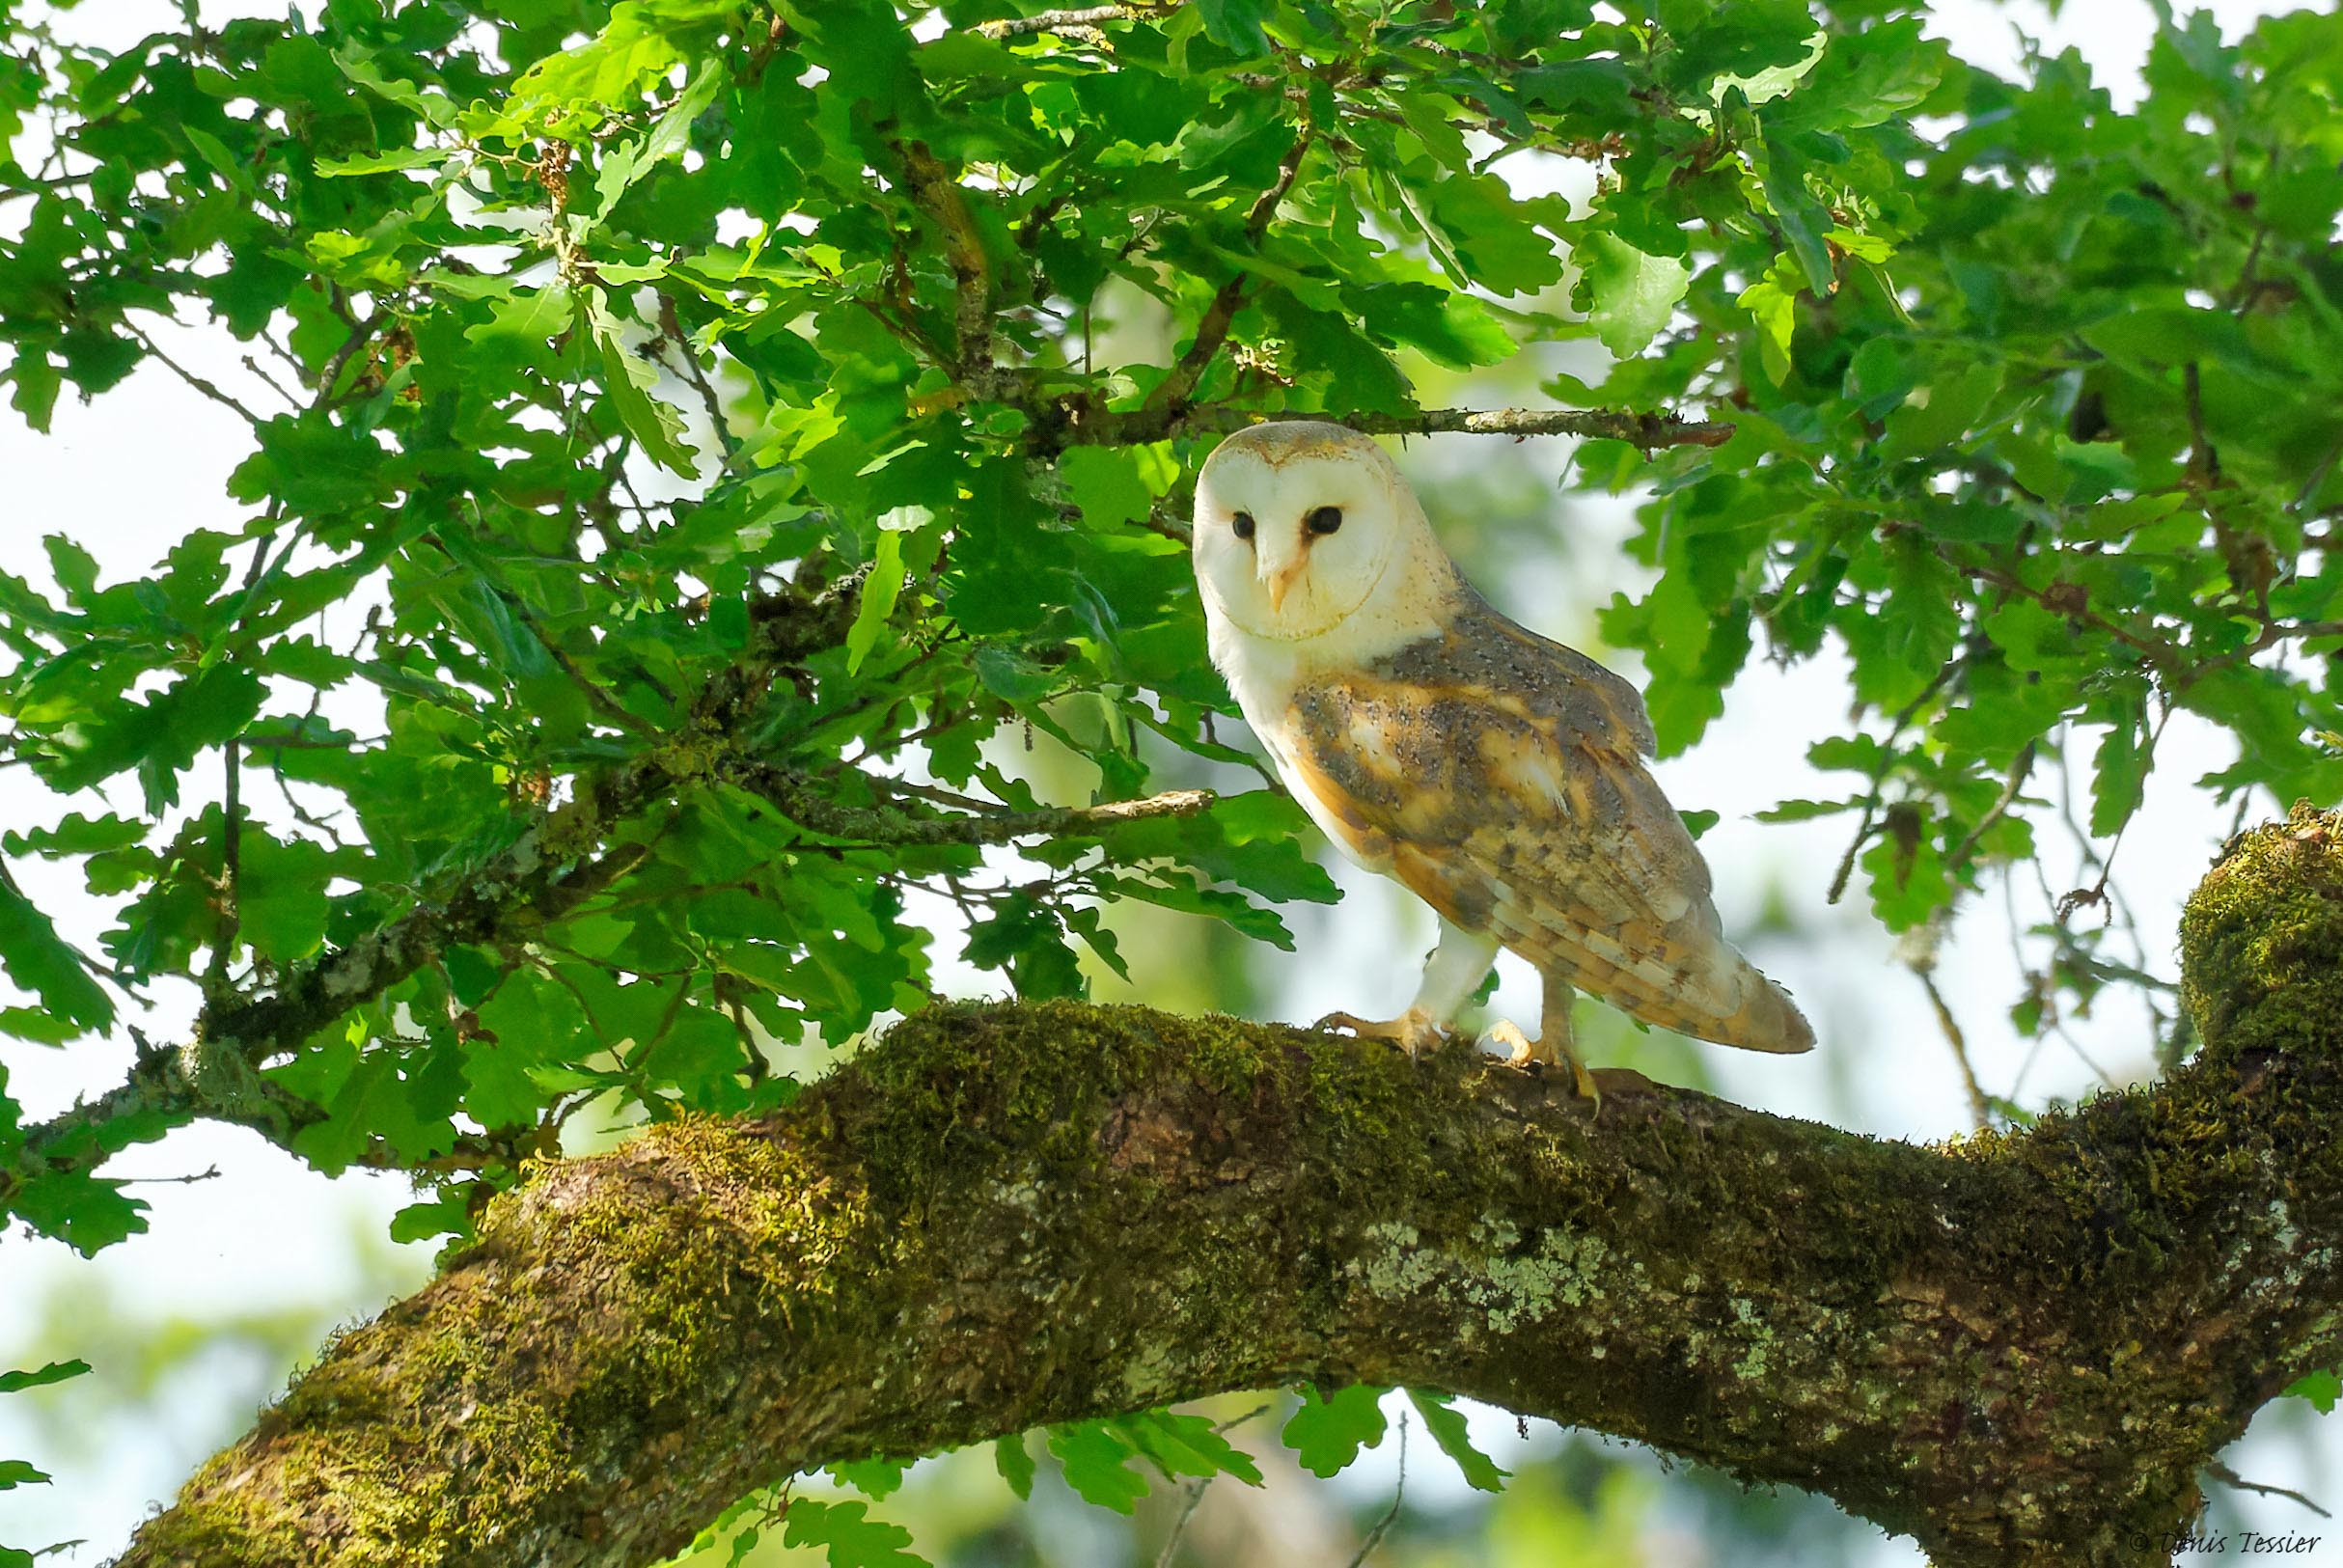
[129,476]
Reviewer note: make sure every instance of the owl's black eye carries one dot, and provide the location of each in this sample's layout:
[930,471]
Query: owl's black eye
[1325,520]
[1242,522]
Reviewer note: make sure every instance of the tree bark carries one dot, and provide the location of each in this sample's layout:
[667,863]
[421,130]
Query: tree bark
[2015,1347]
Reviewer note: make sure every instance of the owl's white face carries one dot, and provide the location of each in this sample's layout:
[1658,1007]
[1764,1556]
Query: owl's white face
[1296,525]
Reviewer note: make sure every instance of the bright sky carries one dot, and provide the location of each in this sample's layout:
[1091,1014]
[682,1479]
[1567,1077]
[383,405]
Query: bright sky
[126,477]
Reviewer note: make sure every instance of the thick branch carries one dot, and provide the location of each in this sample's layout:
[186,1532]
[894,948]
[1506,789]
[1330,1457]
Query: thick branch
[1645,431]
[1081,19]
[938,194]
[2019,1348]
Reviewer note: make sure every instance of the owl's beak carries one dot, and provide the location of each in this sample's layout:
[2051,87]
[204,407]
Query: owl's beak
[1279,580]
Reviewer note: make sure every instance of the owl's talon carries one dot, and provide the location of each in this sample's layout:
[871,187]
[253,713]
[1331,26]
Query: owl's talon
[1554,1051]
[1521,1050]
[1414,1032]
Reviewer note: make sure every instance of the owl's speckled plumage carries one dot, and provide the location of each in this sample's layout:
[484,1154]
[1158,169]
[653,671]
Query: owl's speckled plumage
[1497,775]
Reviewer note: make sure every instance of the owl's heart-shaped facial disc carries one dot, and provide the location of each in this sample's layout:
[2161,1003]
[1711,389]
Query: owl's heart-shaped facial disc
[1296,525]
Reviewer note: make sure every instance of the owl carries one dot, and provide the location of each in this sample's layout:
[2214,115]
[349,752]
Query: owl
[1496,775]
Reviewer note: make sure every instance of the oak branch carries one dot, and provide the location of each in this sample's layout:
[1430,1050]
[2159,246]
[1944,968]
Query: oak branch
[2019,1347]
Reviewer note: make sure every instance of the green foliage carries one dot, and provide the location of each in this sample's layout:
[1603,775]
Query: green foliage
[1015,1463]
[847,1538]
[1095,1456]
[17,1473]
[709,457]
[2030,431]
[2321,1389]
[1447,1428]
[53,1372]
[1327,1431]
[1095,1460]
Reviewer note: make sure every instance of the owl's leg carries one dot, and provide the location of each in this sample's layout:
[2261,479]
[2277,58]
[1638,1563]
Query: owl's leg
[1554,1045]
[1453,973]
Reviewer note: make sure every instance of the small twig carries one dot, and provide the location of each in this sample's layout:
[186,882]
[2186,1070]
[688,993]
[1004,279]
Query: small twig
[941,797]
[2018,771]
[2237,823]
[293,803]
[1159,521]
[2317,475]
[2204,463]
[232,862]
[1391,1515]
[2279,631]
[209,389]
[671,328]
[212,1174]
[793,794]
[2097,893]
[2249,286]
[269,381]
[1871,803]
[1195,1491]
[2228,1477]
[595,695]
[2072,601]
[1978,1105]
[1855,847]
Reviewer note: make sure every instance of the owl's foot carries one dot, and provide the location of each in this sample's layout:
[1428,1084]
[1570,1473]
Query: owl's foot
[1414,1031]
[1554,1051]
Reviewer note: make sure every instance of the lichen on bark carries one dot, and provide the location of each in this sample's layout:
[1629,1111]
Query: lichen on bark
[2016,1347]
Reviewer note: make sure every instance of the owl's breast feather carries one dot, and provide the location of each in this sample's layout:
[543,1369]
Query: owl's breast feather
[1288,692]
[1334,813]
[1295,754]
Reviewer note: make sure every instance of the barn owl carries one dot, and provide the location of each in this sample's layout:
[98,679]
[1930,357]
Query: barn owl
[1496,775]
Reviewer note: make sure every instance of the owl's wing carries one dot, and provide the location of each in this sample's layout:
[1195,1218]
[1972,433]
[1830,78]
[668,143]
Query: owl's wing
[1511,794]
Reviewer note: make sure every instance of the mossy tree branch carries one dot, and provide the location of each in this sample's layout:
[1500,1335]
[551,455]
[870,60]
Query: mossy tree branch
[2016,1347]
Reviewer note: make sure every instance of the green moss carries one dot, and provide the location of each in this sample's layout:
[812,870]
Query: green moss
[726,1220]
[2262,939]
[518,1453]
[381,1521]
[1225,1055]
[438,1431]
[1049,1075]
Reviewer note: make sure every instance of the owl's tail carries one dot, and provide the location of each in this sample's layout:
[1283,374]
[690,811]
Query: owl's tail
[1766,1019]
[1731,1004]
[1689,979]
